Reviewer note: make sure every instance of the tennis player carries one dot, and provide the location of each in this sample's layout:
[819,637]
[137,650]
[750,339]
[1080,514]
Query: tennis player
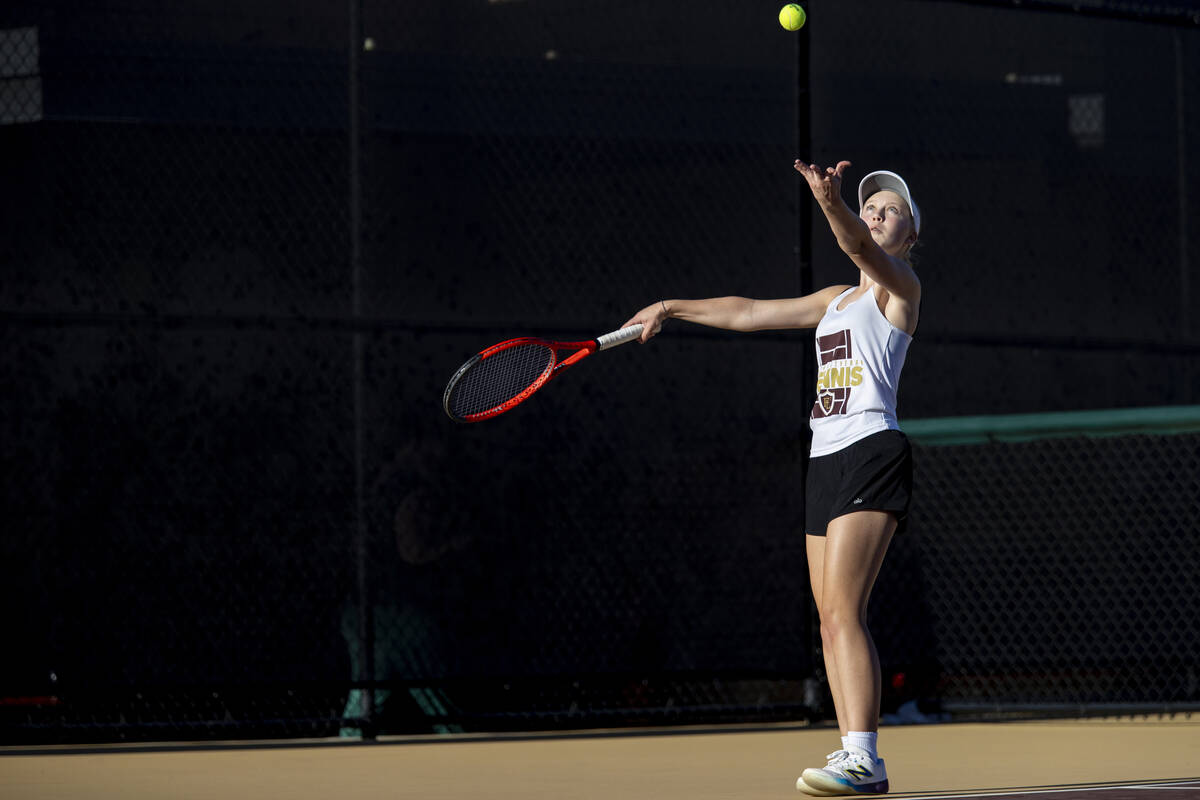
[860,464]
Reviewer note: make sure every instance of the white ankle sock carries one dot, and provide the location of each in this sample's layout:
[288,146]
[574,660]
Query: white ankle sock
[863,740]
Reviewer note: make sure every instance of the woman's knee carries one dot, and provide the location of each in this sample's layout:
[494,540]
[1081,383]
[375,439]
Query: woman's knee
[837,622]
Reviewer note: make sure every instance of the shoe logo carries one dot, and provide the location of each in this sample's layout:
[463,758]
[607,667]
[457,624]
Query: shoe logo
[858,773]
[857,501]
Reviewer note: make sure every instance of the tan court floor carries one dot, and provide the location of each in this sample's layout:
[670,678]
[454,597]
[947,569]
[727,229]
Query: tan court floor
[680,764]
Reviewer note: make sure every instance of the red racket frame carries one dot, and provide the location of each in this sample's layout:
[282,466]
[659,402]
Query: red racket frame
[582,350]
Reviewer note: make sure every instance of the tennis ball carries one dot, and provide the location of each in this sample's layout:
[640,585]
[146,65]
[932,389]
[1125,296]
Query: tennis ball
[792,17]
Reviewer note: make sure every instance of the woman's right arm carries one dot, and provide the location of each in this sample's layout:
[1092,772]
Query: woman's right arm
[738,313]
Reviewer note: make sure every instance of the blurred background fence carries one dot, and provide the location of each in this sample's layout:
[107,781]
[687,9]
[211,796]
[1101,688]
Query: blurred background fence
[244,248]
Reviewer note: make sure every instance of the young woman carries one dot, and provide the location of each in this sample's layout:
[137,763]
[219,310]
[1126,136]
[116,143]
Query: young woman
[860,464]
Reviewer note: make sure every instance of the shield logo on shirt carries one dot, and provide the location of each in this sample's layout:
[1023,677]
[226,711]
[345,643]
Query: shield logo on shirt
[826,400]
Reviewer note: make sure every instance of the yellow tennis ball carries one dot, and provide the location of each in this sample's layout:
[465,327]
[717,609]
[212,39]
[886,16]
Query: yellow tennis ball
[792,17]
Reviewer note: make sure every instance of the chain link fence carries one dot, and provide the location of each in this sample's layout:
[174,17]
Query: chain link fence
[230,299]
[1046,576]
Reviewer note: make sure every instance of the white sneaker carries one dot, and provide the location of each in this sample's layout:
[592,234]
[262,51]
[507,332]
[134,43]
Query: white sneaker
[830,760]
[854,772]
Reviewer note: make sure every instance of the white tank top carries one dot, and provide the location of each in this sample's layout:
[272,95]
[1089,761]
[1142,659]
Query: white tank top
[859,358]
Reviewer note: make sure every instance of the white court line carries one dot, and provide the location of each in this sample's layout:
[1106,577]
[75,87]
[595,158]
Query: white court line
[1187,784]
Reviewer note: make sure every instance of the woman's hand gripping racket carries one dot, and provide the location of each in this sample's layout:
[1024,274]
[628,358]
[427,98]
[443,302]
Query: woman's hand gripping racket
[507,374]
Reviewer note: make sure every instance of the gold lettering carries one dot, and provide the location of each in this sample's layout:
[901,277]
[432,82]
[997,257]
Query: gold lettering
[839,377]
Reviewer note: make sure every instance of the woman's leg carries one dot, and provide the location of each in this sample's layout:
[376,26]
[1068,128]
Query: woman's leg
[850,558]
[815,548]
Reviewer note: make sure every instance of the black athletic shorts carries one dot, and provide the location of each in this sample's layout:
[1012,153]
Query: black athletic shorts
[873,474]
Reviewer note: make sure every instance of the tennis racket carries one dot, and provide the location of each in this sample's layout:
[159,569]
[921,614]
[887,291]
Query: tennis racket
[507,374]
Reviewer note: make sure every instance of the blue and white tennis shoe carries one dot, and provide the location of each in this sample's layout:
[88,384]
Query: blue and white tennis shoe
[850,771]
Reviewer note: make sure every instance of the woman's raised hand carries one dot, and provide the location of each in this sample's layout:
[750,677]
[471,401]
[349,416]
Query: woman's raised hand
[826,184]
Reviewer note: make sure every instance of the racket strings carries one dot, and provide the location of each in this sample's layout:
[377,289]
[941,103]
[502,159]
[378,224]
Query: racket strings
[499,378]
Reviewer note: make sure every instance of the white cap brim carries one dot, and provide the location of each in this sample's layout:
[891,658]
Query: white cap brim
[882,180]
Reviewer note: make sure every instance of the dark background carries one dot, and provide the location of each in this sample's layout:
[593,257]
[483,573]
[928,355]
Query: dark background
[241,258]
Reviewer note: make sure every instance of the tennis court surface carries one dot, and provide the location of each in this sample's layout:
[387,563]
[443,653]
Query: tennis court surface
[1151,759]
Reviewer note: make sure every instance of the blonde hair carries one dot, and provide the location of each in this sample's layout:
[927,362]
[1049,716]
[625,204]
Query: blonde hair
[907,256]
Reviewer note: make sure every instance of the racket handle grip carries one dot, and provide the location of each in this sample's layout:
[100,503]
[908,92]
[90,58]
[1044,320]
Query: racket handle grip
[620,336]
